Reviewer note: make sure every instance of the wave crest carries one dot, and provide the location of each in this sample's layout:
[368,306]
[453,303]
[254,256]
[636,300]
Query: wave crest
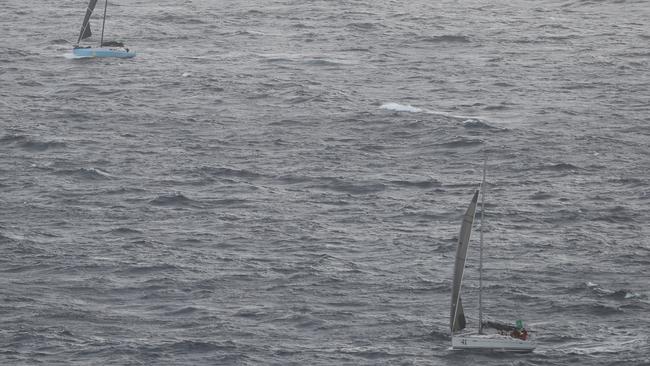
[174,200]
[400,107]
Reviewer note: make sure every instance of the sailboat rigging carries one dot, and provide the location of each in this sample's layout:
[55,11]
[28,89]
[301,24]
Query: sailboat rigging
[105,49]
[507,337]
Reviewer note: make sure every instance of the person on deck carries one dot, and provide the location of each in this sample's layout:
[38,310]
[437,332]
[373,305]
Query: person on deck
[520,334]
[524,334]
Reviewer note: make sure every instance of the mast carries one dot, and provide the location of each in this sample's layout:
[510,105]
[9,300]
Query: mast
[101,42]
[480,261]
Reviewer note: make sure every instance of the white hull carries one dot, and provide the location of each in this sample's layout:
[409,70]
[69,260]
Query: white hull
[491,342]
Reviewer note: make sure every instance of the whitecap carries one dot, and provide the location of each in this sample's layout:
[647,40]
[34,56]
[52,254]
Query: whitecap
[400,107]
[475,123]
[103,173]
[465,119]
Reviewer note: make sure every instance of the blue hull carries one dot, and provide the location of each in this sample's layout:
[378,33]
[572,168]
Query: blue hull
[103,52]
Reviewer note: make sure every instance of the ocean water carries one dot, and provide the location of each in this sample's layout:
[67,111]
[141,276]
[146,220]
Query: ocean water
[282,182]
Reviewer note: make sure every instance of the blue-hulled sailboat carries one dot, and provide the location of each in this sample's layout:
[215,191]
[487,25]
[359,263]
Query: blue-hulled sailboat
[105,49]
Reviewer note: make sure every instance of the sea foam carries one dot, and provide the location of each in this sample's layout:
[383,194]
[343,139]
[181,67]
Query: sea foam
[400,107]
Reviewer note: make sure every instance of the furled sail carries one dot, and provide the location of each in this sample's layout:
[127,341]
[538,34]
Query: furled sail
[85,26]
[457,318]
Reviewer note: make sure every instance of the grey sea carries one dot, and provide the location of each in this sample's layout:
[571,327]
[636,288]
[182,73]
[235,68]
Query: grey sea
[282,182]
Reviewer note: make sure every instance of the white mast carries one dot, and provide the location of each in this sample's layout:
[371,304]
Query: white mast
[480,262]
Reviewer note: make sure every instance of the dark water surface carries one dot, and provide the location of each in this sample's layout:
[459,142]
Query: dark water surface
[282,182]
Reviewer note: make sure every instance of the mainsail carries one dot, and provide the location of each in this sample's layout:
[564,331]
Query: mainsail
[457,318]
[85,26]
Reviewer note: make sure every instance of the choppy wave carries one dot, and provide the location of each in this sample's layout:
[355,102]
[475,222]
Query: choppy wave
[283,183]
[125,231]
[86,173]
[460,142]
[225,172]
[174,200]
[31,144]
[621,294]
[560,167]
[400,107]
[418,183]
[477,123]
[446,39]
[468,121]
[352,187]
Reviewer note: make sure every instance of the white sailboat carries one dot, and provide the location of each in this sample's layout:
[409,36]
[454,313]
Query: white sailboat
[105,49]
[503,337]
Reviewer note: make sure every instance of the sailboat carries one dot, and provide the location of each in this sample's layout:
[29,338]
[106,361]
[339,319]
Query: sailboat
[105,49]
[491,335]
